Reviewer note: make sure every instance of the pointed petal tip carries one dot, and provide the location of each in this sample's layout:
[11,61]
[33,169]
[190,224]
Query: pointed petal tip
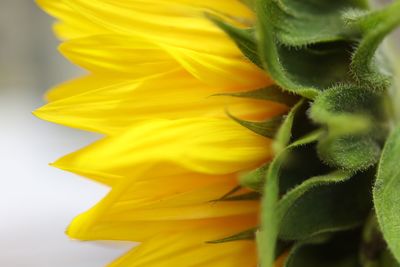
[79,227]
[43,113]
[37,113]
[62,164]
[58,164]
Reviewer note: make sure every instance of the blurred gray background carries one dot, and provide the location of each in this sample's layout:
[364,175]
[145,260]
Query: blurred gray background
[37,202]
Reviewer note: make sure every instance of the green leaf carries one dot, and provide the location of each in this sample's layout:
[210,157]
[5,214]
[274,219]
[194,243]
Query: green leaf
[244,39]
[271,93]
[386,193]
[245,235]
[375,27]
[269,222]
[266,128]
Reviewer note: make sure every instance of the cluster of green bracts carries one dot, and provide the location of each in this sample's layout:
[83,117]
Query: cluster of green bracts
[331,195]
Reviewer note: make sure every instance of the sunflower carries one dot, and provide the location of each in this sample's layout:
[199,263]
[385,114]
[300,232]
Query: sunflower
[162,80]
[235,133]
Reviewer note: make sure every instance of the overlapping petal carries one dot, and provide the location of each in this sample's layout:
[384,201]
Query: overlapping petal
[205,145]
[184,250]
[219,69]
[141,42]
[118,55]
[170,152]
[112,108]
[80,85]
[149,203]
[71,24]
[136,57]
[169,22]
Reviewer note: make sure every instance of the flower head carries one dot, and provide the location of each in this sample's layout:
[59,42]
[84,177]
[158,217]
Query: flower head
[236,133]
[157,72]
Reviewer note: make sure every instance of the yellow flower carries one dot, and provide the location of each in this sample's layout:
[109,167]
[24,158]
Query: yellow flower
[169,148]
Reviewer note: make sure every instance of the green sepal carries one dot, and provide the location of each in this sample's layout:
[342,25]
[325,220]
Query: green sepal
[349,152]
[233,196]
[303,70]
[300,23]
[250,196]
[254,179]
[266,128]
[375,26]
[269,222]
[386,193]
[271,93]
[243,38]
[245,235]
[289,200]
[346,109]
[229,194]
[307,210]
[293,172]
[284,134]
[355,126]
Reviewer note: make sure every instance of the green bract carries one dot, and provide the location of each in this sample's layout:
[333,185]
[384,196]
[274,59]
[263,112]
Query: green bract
[329,68]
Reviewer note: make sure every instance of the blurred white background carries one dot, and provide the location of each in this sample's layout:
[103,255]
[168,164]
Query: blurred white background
[37,202]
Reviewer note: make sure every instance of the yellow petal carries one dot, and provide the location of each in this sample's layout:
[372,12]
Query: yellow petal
[233,8]
[118,55]
[193,204]
[211,56]
[111,108]
[205,145]
[148,203]
[188,249]
[72,23]
[80,85]
[219,69]
[170,150]
[139,231]
[168,22]
[135,58]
